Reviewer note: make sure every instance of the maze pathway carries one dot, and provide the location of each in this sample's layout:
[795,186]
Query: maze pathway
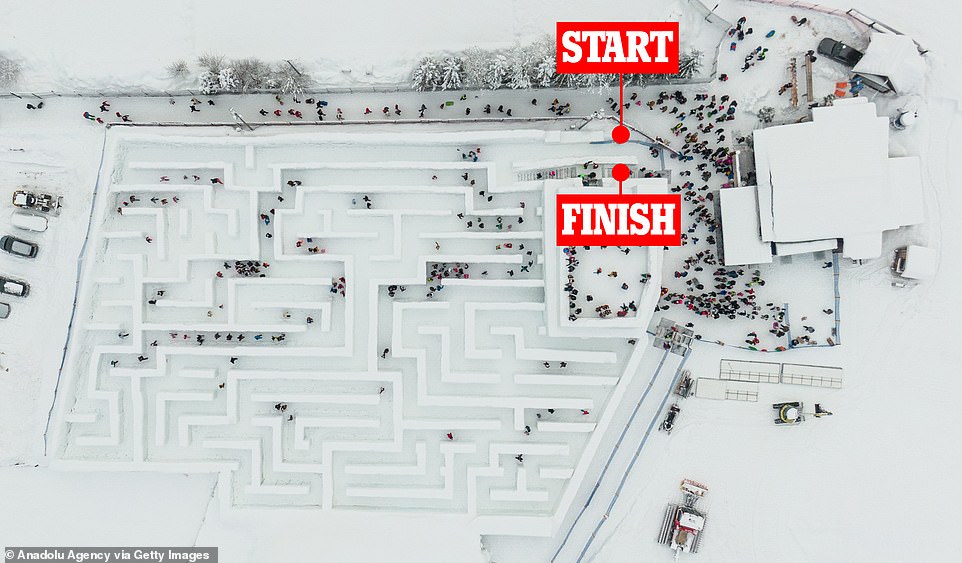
[309,316]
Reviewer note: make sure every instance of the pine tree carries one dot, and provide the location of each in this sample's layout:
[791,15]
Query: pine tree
[496,72]
[427,75]
[689,64]
[474,63]
[519,76]
[452,72]
[766,114]
[544,71]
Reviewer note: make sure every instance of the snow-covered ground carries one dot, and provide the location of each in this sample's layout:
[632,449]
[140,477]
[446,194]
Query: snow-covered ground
[355,44]
[857,486]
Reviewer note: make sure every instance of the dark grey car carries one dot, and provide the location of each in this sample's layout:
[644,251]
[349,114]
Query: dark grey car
[19,247]
[839,52]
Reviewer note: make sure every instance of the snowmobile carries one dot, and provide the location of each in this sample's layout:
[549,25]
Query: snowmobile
[820,412]
[45,203]
[669,421]
[685,385]
[788,413]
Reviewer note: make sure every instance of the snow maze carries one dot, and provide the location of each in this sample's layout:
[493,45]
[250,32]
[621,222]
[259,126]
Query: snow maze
[310,315]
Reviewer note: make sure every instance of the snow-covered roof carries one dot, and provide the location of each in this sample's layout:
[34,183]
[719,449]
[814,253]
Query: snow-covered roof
[832,178]
[895,57]
[920,263]
[741,242]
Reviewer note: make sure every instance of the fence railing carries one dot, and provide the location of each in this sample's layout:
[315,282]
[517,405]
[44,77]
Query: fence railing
[859,19]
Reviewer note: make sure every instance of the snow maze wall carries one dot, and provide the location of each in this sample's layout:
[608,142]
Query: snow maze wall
[194,326]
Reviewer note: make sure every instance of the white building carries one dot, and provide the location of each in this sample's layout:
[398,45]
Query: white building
[821,184]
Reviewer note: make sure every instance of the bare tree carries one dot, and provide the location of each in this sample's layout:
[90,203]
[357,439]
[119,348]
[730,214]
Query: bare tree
[251,73]
[178,69]
[291,80]
[211,62]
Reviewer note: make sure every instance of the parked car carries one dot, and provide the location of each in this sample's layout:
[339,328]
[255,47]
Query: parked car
[44,203]
[19,247]
[14,287]
[839,52]
[29,221]
[4,310]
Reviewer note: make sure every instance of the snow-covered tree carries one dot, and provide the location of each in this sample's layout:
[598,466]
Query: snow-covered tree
[251,73]
[227,79]
[596,81]
[543,62]
[567,80]
[209,84]
[289,80]
[496,72]
[519,74]
[544,71]
[689,64]
[452,72]
[9,71]
[637,79]
[766,114]
[427,75]
[474,62]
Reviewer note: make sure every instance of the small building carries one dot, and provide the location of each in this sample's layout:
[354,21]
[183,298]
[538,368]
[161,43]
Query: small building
[891,63]
[740,237]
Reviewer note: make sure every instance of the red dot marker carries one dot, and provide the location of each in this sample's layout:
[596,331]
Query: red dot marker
[620,134]
[620,172]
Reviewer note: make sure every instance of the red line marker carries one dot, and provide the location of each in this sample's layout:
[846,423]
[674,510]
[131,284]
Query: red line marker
[621,99]
[620,134]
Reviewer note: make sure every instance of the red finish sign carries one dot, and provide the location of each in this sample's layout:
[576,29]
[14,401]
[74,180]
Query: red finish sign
[618,220]
[617,47]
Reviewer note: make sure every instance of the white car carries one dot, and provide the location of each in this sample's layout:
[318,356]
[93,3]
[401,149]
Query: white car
[28,221]
[14,287]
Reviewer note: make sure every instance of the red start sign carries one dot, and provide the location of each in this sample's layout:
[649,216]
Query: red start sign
[618,220]
[617,47]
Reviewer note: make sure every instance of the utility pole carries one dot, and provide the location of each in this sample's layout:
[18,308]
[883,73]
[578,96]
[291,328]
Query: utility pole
[293,67]
[237,117]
